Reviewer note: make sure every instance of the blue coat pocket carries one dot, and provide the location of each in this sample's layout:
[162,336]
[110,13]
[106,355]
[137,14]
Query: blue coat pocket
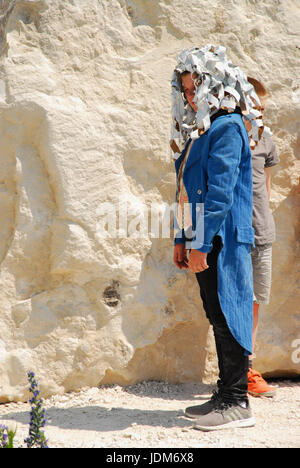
[245,234]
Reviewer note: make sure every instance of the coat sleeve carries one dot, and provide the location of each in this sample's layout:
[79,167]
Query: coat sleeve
[179,238]
[222,173]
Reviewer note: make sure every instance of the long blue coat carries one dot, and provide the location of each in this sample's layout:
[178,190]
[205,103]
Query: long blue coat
[218,174]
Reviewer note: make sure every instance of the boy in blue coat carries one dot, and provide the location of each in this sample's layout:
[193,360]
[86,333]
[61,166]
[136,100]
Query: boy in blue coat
[214,217]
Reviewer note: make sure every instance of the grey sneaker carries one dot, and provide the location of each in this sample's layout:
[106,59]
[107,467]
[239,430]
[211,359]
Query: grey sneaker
[226,416]
[194,412]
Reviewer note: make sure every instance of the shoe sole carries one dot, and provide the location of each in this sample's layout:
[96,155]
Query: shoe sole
[264,394]
[231,425]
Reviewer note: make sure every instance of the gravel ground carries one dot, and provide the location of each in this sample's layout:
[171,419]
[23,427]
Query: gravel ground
[149,414]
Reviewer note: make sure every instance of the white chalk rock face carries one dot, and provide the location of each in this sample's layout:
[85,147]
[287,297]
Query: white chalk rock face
[88,291]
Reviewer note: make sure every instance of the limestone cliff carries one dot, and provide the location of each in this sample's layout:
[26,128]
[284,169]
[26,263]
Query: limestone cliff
[85,120]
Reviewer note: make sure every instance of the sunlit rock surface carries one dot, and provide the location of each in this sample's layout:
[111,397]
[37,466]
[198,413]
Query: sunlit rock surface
[85,120]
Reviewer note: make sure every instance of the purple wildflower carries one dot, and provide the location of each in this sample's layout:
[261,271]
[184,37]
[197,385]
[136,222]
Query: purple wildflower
[3,436]
[37,417]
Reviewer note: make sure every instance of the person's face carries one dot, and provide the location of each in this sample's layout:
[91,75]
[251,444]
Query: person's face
[189,89]
[261,108]
[263,104]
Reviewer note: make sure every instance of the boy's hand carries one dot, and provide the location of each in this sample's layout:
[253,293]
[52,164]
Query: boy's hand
[180,256]
[197,261]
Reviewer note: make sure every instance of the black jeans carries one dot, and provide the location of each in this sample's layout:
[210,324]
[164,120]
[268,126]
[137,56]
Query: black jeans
[233,364]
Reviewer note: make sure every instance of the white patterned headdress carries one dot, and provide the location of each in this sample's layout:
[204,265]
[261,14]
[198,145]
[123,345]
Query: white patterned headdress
[218,85]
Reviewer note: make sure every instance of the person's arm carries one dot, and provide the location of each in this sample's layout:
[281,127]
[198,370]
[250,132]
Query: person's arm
[272,159]
[268,176]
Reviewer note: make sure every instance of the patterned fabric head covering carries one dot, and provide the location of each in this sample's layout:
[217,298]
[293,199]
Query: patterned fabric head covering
[219,85]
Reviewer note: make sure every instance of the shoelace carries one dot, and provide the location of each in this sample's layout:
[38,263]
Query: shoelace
[254,376]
